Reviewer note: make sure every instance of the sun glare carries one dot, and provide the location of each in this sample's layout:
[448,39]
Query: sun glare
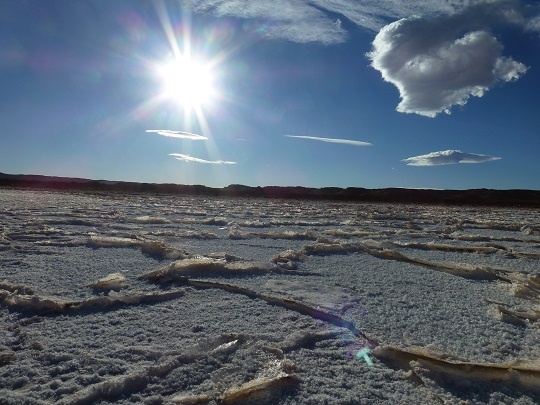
[187,81]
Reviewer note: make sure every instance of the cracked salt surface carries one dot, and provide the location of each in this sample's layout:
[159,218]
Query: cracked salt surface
[117,298]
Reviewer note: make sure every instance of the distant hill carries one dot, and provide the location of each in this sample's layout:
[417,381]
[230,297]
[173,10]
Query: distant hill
[482,197]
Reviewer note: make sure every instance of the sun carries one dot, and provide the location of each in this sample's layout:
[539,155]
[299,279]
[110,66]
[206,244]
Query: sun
[188,81]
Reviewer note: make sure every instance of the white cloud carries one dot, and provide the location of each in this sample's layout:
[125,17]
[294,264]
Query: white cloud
[187,158]
[177,134]
[448,157]
[533,24]
[315,20]
[435,66]
[293,20]
[331,140]
[374,14]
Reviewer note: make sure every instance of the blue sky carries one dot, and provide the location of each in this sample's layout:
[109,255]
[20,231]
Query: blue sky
[435,94]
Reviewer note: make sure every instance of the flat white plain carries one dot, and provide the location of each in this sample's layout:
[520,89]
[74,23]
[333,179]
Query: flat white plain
[277,295]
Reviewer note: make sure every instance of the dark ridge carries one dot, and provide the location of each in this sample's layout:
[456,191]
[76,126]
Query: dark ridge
[475,197]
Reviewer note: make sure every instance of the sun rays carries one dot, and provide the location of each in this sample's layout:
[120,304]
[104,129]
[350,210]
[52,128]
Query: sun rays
[187,78]
[187,83]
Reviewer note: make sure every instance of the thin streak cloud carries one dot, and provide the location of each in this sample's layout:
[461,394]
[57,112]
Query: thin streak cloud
[448,157]
[187,158]
[332,140]
[178,134]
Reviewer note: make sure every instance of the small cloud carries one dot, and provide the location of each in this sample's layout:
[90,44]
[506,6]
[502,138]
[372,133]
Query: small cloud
[297,21]
[448,157]
[319,20]
[533,24]
[315,20]
[187,158]
[177,134]
[437,63]
[332,140]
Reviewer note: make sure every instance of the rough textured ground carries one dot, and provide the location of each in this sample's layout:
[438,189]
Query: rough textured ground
[162,299]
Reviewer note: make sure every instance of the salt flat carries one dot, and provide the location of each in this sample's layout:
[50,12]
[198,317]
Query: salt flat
[141,298]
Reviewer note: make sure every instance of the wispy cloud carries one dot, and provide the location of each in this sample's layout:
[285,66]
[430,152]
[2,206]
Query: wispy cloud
[316,20]
[332,140]
[435,66]
[177,134]
[296,21]
[533,24]
[187,158]
[448,157]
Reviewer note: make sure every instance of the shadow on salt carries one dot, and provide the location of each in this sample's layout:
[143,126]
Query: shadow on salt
[332,298]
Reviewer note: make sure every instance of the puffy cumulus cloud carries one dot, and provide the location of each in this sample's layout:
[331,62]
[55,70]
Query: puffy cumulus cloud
[332,140]
[177,134]
[441,62]
[447,157]
[187,158]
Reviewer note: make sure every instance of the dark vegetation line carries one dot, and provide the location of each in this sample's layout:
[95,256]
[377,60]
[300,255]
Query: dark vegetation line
[474,197]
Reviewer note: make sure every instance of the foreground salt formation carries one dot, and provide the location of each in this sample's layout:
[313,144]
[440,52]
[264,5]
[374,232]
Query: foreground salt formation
[160,299]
